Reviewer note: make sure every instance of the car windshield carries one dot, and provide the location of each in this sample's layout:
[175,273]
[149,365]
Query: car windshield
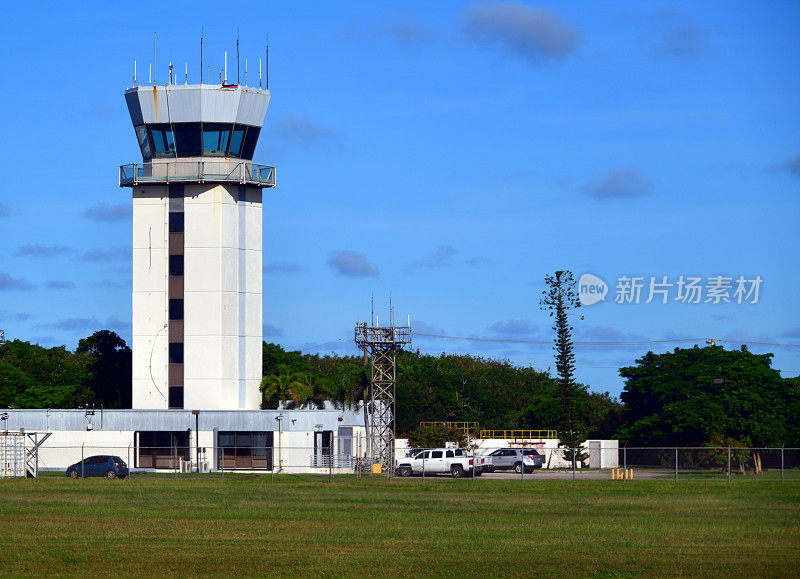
[118,460]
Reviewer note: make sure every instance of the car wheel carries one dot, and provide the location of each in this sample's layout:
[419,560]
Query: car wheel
[73,474]
[111,474]
[478,472]
[457,471]
[518,467]
[406,471]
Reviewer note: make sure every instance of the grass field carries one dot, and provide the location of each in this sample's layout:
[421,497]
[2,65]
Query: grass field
[250,525]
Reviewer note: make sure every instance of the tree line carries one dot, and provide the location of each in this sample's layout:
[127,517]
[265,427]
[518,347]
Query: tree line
[685,397]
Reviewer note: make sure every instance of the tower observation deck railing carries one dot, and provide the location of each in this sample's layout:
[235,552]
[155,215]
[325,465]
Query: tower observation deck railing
[242,172]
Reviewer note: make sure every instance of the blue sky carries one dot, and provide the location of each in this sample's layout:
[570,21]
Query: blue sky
[449,154]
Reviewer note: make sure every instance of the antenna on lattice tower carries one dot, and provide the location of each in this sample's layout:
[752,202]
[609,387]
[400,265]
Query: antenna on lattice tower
[382,344]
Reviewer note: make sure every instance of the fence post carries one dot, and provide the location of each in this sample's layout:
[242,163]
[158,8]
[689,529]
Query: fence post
[729,464]
[522,468]
[625,456]
[221,458]
[781,465]
[390,465]
[676,464]
[423,465]
[82,443]
[330,466]
[474,464]
[175,459]
[130,470]
[573,465]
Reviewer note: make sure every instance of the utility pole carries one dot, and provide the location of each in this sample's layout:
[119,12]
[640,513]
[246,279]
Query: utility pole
[382,343]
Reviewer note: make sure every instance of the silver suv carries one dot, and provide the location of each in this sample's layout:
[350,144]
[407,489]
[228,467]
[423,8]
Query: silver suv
[508,458]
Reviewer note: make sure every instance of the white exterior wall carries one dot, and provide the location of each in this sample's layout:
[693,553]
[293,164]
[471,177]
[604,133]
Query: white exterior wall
[150,342]
[65,447]
[222,296]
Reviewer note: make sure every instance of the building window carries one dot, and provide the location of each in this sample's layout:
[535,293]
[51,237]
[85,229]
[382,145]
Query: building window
[246,450]
[176,352]
[176,265]
[215,139]
[176,309]
[176,222]
[187,139]
[176,396]
[250,140]
[144,142]
[163,141]
[161,449]
[237,137]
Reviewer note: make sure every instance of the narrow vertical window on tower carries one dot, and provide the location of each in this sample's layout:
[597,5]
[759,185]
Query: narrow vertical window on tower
[175,280]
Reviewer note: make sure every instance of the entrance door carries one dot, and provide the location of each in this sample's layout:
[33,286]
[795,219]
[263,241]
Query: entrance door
[323,448]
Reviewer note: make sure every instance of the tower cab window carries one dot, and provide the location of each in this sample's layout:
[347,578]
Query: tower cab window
[197,139]
[215,139]
[163,141]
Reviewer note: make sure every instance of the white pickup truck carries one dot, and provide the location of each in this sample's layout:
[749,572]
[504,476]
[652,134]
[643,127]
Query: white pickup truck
[452,461]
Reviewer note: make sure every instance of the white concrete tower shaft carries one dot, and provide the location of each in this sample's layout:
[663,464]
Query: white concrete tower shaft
[197,230]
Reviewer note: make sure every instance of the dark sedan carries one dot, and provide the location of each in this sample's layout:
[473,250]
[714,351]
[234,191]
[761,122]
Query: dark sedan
[101,465]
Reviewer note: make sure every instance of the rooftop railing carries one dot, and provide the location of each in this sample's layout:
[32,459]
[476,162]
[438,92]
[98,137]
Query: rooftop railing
[519,434]
[241,172]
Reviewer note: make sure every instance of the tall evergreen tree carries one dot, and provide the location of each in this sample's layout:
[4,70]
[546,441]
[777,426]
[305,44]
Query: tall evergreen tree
[559,298]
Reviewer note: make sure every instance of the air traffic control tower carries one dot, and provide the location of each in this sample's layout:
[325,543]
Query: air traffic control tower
[197,281]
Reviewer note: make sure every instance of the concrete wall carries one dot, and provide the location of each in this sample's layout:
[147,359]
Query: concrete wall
[150,342]
[222,296]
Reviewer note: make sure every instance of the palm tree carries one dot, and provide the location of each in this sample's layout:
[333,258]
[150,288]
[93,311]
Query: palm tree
[291,389]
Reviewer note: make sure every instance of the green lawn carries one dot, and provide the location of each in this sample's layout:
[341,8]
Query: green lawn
[248,524]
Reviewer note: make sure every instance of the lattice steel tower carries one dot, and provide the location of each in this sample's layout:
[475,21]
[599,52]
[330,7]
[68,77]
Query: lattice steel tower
[382,343]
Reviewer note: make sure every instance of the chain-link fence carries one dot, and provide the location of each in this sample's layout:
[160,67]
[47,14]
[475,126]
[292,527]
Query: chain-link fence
[349,458]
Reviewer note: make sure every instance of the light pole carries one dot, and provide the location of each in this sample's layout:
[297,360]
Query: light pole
[279,418]
[197,438]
